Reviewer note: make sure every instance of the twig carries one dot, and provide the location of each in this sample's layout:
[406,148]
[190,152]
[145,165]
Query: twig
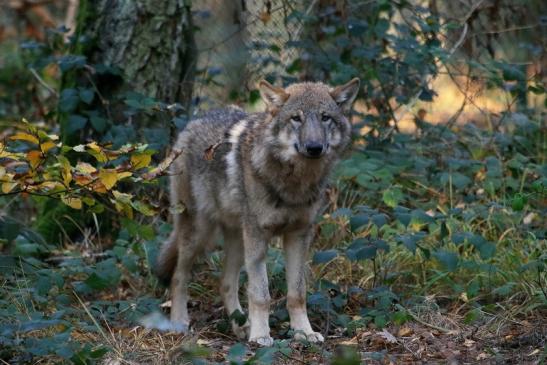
[63,258]
[417,319]
[42,82]
[70,17]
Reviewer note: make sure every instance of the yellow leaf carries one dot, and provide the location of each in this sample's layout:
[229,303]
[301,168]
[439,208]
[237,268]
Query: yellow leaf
[143,208]
[108,177]
[35,158]
[2,171]
[140,160]
[97,151]
[82,179]
[85,168]
[46,186]
[8,186]
[75,203]
[24,137]
[46,146]
[122,175]
[50,185]
[122,197]
[66,172]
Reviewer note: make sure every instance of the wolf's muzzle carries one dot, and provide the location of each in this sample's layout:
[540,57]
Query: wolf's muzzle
[314,149]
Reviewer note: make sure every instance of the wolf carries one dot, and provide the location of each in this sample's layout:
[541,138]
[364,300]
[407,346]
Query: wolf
[254,177]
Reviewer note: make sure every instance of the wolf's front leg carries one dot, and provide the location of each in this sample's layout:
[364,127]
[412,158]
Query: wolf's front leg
[256,247]
[296,245]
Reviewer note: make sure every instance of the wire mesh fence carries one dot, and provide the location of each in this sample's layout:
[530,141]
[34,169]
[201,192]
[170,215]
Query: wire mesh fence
[241,41]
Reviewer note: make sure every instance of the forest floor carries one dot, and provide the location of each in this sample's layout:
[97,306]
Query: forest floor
[442,339]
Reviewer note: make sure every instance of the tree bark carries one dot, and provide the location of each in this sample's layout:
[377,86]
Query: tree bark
[150,41]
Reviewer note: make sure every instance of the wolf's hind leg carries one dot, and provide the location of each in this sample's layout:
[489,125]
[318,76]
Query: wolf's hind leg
[233,261]
[193,236]
[296,247]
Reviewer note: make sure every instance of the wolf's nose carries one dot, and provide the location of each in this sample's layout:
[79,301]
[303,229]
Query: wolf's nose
[314,149]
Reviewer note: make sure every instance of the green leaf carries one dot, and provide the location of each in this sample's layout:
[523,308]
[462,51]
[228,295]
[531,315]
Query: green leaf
[86,95]
[97,282]
[472,316]
[322,257]
[505,289]
[379,220]
[393,196]
[68,100]
[238,317]
[357,221]
[98,123]
[410,240]
[236,353]
[367,252]
[75,123]
[518,202]
[448,259]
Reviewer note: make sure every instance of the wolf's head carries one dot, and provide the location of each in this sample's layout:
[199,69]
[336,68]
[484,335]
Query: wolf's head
[309,120]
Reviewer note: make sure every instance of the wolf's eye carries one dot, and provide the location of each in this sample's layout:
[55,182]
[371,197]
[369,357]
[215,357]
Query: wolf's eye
[325,118]
[296,118]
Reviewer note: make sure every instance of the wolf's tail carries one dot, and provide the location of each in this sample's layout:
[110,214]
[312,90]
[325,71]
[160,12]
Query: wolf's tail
[167,260]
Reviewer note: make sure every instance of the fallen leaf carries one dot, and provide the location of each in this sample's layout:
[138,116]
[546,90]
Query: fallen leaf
[351,342]
[210,151]
[468,342]
[387,336]
[535,352]
[166,304]
[404,331]
[529,218]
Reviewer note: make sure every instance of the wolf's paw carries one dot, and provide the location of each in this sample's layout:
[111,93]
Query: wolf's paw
[265,341]
[241,332]
[313,337]
[158,321]
[179,327]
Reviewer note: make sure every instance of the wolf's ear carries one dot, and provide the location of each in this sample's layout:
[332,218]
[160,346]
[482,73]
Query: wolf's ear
[344,95]
[274,97]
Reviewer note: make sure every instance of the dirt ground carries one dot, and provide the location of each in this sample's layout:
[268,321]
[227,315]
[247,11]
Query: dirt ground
[494,341]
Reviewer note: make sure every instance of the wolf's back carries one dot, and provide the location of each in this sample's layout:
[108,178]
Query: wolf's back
[200,134]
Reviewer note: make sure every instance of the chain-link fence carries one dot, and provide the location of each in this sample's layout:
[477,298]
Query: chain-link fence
[241,41]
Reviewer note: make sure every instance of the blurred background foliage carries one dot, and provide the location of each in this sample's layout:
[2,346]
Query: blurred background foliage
[438,212]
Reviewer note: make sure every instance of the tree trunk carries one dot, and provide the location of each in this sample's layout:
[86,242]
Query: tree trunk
[150,41]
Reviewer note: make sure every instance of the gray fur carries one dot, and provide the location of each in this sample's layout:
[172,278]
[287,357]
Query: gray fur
[263,180]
